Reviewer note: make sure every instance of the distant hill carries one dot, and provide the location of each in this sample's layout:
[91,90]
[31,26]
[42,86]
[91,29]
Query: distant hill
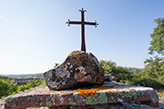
[133,68]
[2,77]
[21,76]
[39,75]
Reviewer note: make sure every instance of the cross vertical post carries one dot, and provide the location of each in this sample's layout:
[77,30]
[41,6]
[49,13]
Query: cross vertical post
[82,32]
[82,23]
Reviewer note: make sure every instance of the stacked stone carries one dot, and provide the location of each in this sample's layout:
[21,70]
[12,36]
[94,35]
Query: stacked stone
[79,69]
[81,72]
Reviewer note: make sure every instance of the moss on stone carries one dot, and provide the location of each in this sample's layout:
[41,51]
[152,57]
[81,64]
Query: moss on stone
[41,104]
[11,99]
[142,94]
[135,97]
[132,101]
[90,100]
[70,99]
[128,93]
[109,94]
[102,98]
[48,103]
[41,98]
[53,95]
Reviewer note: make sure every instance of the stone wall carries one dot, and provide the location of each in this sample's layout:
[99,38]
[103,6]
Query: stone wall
[24,81]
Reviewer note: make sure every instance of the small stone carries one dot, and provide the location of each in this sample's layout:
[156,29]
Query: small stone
[79,69]
[109,78]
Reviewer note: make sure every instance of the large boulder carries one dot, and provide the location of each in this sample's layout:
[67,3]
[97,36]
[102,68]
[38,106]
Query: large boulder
[79,69]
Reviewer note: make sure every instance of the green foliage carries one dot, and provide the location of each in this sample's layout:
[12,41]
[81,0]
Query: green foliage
[153,73]
[108,66]
[12,88]
[154,66]
[21,88]
[3,88]
[157,43]
[147,82]
[123,74]
[31,84]
[151,76]
[8,87]
[6,78]
[42,80]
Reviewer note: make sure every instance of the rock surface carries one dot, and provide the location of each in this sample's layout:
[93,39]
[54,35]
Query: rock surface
[110,93]
[109,78]
[79,69]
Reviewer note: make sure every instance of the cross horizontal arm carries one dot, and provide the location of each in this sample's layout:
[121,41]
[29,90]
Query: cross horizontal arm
[91,23]
[73,22]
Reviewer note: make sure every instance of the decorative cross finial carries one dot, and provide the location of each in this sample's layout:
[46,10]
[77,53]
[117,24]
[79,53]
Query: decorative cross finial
[83,23]
[82,10]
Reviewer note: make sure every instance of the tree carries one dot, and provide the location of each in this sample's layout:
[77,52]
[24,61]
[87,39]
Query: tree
[153,73]
[31,84]
[157,43]
[21,88]
[155,65]
[3,88]
[122,73]
[154,69]
[7,87]
[108,66]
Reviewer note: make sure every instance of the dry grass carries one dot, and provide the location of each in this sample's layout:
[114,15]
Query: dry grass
[160,92]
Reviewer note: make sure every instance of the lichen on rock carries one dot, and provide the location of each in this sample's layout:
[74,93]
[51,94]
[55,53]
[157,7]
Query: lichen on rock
[48,103]
[10,99]
[100,100]
[79,69]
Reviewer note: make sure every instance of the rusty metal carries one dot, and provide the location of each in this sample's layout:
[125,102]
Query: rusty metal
[82,23]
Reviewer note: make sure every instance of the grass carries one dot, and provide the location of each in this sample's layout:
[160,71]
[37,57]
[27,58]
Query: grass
[160,92]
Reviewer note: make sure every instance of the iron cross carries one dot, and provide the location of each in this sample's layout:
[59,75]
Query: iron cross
[83,23]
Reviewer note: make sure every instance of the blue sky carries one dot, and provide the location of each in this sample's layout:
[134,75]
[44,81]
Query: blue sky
[34,35]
